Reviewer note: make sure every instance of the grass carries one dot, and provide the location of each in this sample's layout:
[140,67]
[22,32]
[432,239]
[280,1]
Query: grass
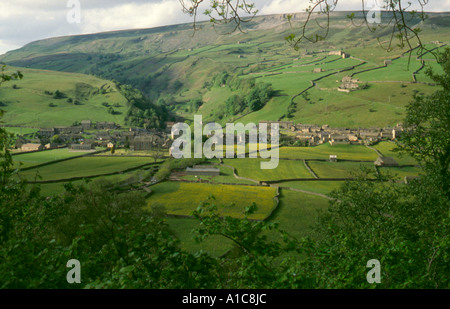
[401,172]
[29,105]
[251,168]
[298,212]
[143,153]
[323,187]
[337,169]
[86,166]
[343,152]
[226,176]
[21,131]
[35,158]
[386,149]
[183,198]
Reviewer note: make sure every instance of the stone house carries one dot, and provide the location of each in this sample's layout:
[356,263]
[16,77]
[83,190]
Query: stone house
[339,139]
[46,132]
[81,147]
[105,125]
[32,147]
[202,170]
[385,161]
[51,146]
[86,124]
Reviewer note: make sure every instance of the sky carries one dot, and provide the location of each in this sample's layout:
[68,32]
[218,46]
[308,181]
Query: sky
[24,21]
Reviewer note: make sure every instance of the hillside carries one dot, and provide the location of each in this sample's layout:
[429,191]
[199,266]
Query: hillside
[49,98]
[33,101]
[176,67]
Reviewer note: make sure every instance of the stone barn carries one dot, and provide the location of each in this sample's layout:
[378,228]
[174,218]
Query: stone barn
[385,161]
[202,170]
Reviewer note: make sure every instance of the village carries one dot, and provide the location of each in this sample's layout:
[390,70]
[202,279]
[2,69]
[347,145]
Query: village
[88,135]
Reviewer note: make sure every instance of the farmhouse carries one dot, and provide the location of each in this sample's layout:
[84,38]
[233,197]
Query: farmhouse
[105,125]
[335,53]
[145,142]
[51,146]
[349,83]
[86,124]
[202,170]
[385,161]
[81,147]
[32,147]
[339,139]
[46,132]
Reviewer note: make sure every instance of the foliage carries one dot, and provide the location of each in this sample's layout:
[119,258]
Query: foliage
[142,112]
[427,125]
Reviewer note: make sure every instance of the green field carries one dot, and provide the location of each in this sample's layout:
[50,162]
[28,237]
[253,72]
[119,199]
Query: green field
[21,131]
[86,166]
[29,105]
[323,187]
[401,172]
[343,152]
[35,158]
[49,189]
[226,176]
[297,212]
[183,198]
[250,168]
[338,169]
[386,150]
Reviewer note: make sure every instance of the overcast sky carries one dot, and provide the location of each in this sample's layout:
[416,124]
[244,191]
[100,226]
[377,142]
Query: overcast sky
[24,21]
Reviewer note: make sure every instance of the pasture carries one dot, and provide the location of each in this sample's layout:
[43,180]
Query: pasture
[343,152]
[85,166]
[181,198]
[34,158]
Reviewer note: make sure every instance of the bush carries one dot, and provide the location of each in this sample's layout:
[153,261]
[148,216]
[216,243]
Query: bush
[58,95]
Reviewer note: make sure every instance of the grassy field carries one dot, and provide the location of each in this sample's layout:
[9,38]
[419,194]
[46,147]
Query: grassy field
[21,131]
[386,149]
[337,169]
[323,187]
[343,152]
[183,198]
[226,176]
[35,158]
[250,168]
[29,105]
[401,172]
[58,187]
[297,212]
[86,166]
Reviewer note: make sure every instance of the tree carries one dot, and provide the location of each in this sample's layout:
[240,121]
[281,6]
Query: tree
[5,77]
[427,126]
[406,227]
